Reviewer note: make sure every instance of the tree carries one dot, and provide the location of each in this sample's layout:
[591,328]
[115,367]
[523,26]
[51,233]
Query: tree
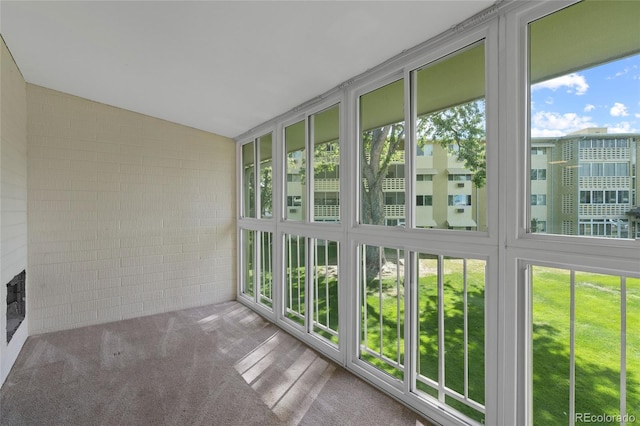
[459,129]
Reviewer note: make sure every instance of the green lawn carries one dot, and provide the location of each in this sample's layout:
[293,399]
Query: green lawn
[597,336]
[597,345]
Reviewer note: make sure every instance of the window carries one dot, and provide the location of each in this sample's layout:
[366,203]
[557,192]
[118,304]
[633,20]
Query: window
[585,197]
[450,116]
[425,150]
[459,178]
[266,177]
[382,309]
[581,102]
[381,152]
[459,200]
[296,165]
[450,365]
[248,180]
[424,200]
[582,338]
[538,151]
[538,174]
[496,327]
[325,127]
[538,199]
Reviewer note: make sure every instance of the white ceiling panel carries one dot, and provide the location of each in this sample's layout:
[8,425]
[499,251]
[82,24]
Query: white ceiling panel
[219,66]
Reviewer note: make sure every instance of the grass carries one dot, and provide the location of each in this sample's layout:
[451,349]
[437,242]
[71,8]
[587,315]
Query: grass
[597,334]
[597,344]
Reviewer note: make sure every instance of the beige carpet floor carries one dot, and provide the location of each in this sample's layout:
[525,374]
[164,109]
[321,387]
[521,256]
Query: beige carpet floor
[214,365]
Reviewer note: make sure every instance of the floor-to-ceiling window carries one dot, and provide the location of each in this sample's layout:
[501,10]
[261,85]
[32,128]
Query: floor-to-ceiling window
[458,225]
[582,312]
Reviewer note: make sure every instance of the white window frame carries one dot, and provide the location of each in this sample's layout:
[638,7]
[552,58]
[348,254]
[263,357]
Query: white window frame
[508,246]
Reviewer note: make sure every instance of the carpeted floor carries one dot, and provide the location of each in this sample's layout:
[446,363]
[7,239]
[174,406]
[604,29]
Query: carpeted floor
[215,365]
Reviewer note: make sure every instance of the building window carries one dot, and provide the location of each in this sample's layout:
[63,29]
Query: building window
[538,174]
[424,200]
[538,199]
[459,200]
[459,178]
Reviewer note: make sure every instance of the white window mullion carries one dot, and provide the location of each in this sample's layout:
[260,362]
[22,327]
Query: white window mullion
[572,351]
[381,318]
[466,328]
[309,300]
[623,349]
[441,352]
[398,306]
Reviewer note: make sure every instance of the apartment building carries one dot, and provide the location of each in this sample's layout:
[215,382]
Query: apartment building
[585,183]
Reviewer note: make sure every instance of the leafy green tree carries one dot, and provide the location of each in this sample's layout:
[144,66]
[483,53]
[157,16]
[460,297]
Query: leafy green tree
[459,129]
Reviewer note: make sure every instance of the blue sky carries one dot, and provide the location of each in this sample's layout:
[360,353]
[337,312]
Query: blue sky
[604,96]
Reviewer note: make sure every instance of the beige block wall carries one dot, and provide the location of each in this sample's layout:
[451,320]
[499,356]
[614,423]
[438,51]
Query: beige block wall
[13,197]
[128,215]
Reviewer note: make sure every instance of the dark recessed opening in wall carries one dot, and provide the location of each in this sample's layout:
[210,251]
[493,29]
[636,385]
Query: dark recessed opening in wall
[15,303]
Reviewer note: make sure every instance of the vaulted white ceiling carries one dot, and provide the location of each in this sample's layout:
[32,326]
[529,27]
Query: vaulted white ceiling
[219,66]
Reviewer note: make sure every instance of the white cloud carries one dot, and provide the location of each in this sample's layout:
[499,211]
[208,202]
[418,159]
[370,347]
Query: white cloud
[548,124]
[622,127]
[549,101]
[637,115]
[589,108]
[618,110]
[575,82]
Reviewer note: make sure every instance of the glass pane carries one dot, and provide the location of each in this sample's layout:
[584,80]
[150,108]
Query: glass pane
[382,309]
[295,160]
[248,180]
[428,324]
[633,347]
[326,165]
[451,292]
[579,329]
[324,288]
[266,176]
[266,269]
[451,141]
[249,264]
[551,332]
[585,92]
[382,196]
[294,290]
[597,343]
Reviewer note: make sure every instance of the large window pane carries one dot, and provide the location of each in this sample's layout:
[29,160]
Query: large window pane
[585,92]
[248,270]
[265,274]
[295,163]
[451,302]
[582,325]
[248,180]
[266,176]
[294,287]
[324,289]
[382,309]
[382,156]
[326,165]
[450,127]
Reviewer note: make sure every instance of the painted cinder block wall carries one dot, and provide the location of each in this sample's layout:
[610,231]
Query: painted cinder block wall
[13,197]
[128,215]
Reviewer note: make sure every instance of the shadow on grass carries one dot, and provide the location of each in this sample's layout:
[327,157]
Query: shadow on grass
[597,388]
